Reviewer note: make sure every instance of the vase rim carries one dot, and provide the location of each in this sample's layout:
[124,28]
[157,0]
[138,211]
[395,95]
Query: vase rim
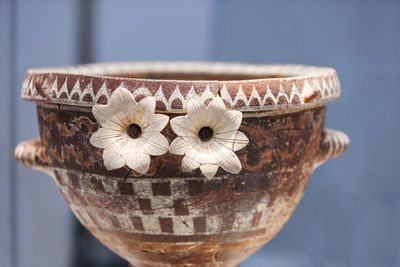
[245,87]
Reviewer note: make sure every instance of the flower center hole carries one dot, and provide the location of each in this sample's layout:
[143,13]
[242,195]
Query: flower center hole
[206,133]
[134,131]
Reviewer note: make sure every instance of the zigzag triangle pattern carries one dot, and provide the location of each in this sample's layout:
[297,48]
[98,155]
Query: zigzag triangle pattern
[243,95]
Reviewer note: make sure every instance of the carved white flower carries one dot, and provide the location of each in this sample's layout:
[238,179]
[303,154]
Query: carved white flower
[130,131]
[208,137]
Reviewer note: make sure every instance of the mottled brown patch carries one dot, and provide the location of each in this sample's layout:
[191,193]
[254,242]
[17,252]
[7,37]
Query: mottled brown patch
[195,187]
[126,189]
[87,98]
[74,180]
[75,97]
[114,221]
[58,178]
[269,101]
[282,100]
[145,206]
[256,219]
[177,103]
[161,189]
[137,223]
[180,208]
[97,184]
[101,100]
[166,225]
[227,221]
[199,224]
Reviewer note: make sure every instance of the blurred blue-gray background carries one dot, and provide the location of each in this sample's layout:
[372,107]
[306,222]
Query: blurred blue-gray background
[350,215]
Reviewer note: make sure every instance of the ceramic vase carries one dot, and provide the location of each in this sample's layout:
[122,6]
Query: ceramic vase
[181,163]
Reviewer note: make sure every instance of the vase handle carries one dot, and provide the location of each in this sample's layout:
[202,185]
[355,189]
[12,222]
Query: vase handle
[333,144]
[30,153]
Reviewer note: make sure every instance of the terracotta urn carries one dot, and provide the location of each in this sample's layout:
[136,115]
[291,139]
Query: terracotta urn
[181,163]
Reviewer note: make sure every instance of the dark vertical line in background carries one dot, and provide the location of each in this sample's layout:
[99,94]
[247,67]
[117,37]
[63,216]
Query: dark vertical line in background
[215,30]
[12,129]
[85,31]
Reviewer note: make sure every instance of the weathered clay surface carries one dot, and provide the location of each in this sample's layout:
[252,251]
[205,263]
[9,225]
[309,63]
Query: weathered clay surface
[168,216]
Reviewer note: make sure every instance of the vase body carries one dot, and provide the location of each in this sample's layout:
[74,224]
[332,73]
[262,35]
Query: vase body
[168,217]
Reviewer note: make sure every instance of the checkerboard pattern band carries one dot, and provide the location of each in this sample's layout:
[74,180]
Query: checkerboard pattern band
[154,206]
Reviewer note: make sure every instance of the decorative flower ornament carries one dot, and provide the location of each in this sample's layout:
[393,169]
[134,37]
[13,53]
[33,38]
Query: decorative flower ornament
[208,137]
[130,131]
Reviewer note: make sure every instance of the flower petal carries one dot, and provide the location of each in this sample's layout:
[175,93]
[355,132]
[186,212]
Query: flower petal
[182,126]
[145,109]
[121,100]
[203,152]
[209,171]
[122,105]
[106,118]
[112,159]
[240,142]
[228,159]
[226,137]
[196,113]
[154,143]
[132,146]
[230,121]
[189,164]
[194,107]
[179,146]
[139,162]
[216,109]
[234,140]
[104,137]
[115,114]
[155,123]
